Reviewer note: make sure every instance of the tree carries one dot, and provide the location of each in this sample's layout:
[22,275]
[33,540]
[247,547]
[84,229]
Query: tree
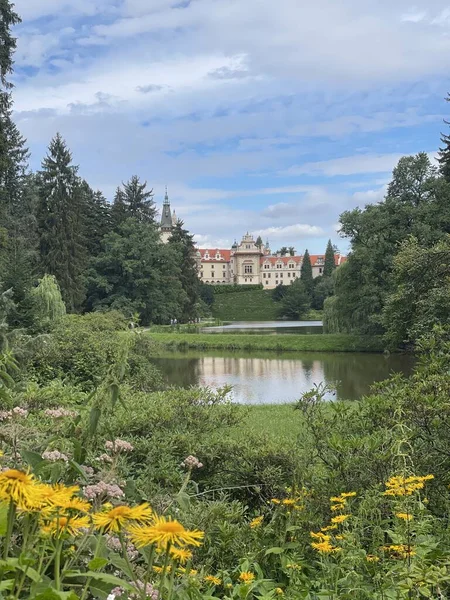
[134,200]
[282,251]
[60,222]
[279,292]
[259,242]
[420,296]
[183,242]
[97,218]
[136,273]
[444,152]
[296,302]
[323,289]
[47,303]
[330,263]
[306,274]
[291,251]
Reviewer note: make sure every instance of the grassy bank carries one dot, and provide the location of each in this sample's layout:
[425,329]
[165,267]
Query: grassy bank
[278,343]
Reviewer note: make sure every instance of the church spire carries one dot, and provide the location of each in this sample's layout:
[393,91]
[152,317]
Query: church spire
[166,217]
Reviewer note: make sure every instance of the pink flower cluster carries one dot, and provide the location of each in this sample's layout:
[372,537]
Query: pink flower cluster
[105,458]
[59,413]
[119,446]
[148,590]
[111,490]
[5,415]
[54,456]
[114,544]
[191,462]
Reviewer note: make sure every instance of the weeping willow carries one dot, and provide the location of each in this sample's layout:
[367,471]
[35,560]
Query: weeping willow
[48,303]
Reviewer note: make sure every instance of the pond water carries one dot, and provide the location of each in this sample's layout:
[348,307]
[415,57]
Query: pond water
[263,378]
[267,327]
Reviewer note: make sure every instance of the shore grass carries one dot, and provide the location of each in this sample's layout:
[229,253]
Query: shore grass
[279,421]
[277,343]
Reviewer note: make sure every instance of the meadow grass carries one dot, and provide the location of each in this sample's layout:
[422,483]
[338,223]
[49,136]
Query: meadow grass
[277,343]
[248,305]
[280,421]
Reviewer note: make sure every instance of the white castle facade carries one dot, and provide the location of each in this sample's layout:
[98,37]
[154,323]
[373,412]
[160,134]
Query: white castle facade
[245,263]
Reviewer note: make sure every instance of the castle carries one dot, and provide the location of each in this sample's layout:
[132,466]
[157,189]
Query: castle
[247,263]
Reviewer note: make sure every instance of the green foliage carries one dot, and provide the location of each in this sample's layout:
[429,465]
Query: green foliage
[306,274]
[330,264]
[133,200]
[237,304]
[183,242]
[323,289]
[60,218]
[47,303]
[295,302]
[136,273]
[279,292]
[231,289]
[420,296]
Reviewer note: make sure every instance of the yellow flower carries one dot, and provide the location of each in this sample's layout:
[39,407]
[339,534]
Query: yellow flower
[405,486]
[181,554]
[340,518]
[293,566]
[164,531]
[61,525]
[115,518]
[319,536]
[372,558]
[324,547]
[228,586]
[246,577]
[159,570]
[348,494]
[400,550]
[213,580]
[404,516]
[338,499]
[20,488]
[275,501]
[256,522]
[279,591]
[289,502]
[329,528]
[335,507]
[340,537]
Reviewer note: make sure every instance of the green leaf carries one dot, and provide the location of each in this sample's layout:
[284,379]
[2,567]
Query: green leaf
[97,563]
[114,394]
[120,563]
[274,550]
[6,585]
[3,518]
[94,418]
[51,594]
[105,577]
[76,467]
[34,459]
[11,564]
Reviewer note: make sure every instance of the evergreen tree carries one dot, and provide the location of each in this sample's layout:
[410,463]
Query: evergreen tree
[259,241]
[97,218]
[60,222]
[306,274]
[295,302]
[183,241]
[444,152]
[118,209]
[330,264]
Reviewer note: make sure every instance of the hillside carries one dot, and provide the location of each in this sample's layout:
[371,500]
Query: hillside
[248,305]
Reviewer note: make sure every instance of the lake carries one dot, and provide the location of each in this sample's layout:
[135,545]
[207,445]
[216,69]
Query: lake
[268,378]
[267,327]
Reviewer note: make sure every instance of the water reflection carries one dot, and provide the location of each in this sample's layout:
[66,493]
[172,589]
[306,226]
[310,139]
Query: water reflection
[271,380]
[268,327]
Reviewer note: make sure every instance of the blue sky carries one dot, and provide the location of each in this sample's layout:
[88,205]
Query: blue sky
[272,117]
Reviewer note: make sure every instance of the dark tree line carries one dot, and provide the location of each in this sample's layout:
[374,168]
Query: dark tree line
[54,224]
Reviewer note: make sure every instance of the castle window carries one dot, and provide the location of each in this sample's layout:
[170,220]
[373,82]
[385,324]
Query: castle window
[289,274]
[267,266]
[281,275]
[279,266]
[268,275]
[320,260]
[247,246]
[291,266]
[320,270]
[248,268]
[264,275]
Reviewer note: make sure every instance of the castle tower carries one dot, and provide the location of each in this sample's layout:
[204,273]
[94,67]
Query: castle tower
[167,223]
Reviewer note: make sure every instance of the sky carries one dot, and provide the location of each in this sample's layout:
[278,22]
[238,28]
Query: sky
[260,116]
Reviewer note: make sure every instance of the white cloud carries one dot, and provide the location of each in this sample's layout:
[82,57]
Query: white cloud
[289,231]
[414,16]
[348,165]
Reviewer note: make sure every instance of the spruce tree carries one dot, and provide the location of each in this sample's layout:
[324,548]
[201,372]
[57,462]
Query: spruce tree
[183,242]
[97,218]
[60,223]
[444,152]
[330,264]
[259,241]
[118,209]
[139,201]
[306,274]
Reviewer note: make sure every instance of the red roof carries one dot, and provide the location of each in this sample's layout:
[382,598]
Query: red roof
[225,254]
[338,259]
[284,259]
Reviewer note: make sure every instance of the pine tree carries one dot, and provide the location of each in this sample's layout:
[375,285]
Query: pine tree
[259,241]
[306,274]
[97,218]
[118,209]
[330,263]
[138,201]
[183,241]
[60,222]
[444,152]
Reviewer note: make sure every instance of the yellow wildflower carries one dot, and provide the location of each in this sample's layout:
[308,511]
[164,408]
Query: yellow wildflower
[256,522]
[319,536]
[20,488]
[293,566]
[65,525]
[159,570]
[116,518]
[372,558]
[404,516]
[228,586]
[324,547]
[164,531]
[405,486]
[275,501]
[181,554]
[289,502]
[213,580]
[401,550]
[246,577]
[340,537]
[329,528]
[348,494]
[340,518]
[279,591]
[338,499]
[335,507]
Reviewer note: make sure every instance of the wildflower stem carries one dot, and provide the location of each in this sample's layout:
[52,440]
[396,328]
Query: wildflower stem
[171,582]
[89,579]
[149,567]
[58,549]
[9,528]
[163,574]
[127,560]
